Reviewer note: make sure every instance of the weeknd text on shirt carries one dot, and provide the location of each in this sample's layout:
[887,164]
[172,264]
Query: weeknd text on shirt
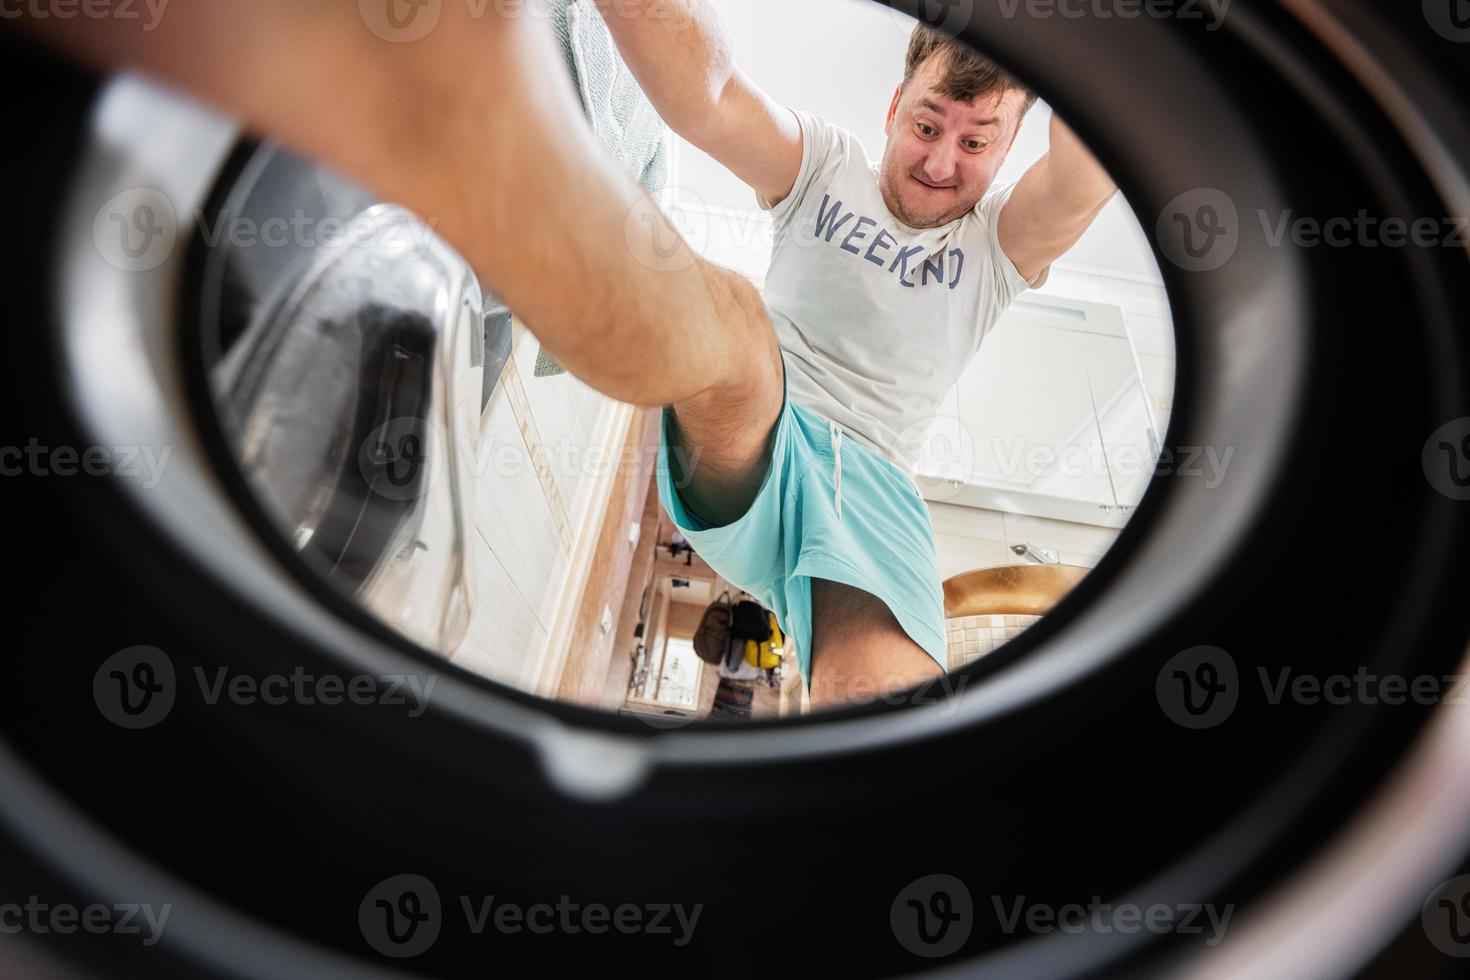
[837,227]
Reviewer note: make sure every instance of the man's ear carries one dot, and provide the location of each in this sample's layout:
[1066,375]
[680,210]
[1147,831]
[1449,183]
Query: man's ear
[892,111]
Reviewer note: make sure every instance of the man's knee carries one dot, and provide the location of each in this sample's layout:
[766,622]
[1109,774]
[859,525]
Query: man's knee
[721,442]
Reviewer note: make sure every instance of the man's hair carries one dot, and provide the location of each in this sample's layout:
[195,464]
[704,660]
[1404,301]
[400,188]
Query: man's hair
[966,76]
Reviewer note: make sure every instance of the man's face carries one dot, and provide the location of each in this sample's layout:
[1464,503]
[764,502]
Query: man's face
[942,155]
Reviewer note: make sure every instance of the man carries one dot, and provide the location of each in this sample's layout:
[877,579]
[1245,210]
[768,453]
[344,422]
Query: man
[883,283]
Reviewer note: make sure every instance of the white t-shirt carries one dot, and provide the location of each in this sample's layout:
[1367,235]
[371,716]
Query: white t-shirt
[878,320]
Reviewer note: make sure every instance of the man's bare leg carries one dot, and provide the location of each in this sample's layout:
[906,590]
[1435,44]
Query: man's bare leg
[859,650]
[473,129]
[720,440]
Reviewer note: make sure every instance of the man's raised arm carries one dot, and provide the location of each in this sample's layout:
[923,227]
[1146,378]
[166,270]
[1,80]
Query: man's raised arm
[679,52]
[468,128]
[1053,203]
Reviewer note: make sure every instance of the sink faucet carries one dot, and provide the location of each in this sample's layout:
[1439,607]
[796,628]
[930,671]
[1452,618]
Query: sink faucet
[1041,555]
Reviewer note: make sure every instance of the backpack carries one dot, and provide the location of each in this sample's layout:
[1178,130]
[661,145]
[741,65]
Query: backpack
[751,621]
[712,636]
[750,628]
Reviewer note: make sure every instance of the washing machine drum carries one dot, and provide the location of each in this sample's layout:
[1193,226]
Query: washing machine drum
[1075,768]
[343,344]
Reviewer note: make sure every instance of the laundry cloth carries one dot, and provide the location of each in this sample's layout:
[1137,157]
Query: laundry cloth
[622,118]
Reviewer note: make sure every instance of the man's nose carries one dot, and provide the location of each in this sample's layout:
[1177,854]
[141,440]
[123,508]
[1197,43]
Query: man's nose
[939,168]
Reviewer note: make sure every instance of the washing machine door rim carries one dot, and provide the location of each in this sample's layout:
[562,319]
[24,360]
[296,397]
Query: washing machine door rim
[565,734]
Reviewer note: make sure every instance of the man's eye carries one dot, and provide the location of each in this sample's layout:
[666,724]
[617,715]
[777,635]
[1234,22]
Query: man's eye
[926,130]
[976,145]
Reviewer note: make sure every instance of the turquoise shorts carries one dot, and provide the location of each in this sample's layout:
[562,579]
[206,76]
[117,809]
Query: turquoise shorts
[829,507]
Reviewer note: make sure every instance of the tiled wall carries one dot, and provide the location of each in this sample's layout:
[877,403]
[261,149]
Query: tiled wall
[972,637]
[533,475]
[967,538]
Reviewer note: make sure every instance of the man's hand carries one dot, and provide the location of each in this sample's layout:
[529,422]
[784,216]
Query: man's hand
[680,54]
[1053,203]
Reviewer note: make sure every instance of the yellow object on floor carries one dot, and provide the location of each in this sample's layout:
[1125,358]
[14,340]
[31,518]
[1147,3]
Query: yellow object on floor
[765,655]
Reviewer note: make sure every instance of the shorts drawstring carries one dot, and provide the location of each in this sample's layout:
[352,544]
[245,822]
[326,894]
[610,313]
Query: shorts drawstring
[836,434]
